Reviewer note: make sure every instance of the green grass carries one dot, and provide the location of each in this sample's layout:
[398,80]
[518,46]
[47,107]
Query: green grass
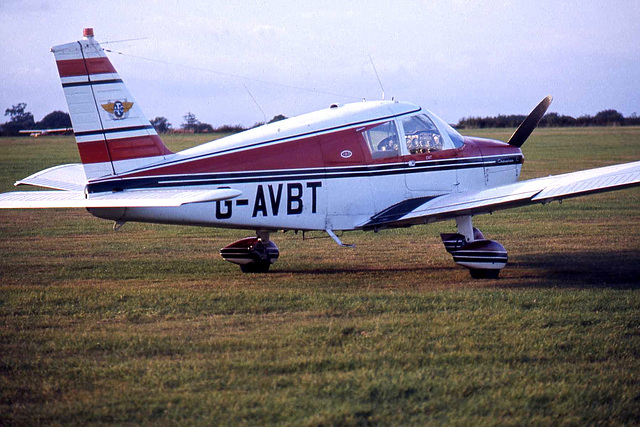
[148,325]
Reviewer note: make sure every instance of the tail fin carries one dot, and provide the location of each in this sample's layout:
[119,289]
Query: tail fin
[112,134]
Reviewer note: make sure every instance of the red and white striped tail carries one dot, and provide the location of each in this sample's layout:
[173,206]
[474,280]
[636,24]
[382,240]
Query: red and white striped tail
[112,134]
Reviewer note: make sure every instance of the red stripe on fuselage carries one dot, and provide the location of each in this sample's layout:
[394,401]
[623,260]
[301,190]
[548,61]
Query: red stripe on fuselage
[77,67]
[318,151]
[311,152]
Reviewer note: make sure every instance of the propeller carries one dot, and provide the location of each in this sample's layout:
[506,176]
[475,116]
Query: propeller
[529,124]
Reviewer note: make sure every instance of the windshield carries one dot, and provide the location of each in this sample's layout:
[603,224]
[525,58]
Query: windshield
[421,135]
[456,138]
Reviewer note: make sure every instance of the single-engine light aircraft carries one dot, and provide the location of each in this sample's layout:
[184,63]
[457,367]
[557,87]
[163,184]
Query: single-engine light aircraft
[359,166]
[41,132]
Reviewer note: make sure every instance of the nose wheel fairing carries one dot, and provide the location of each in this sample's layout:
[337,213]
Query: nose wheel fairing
[252,254]
[484,258]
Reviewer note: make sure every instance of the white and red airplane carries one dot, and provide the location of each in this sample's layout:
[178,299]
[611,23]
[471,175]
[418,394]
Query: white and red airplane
[42,132]
[360,166]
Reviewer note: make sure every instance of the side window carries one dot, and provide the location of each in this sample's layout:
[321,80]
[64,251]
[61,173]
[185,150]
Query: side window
[421,135]
[383,140]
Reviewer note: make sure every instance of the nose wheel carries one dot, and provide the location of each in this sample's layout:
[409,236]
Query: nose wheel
[484,258]
[256,267]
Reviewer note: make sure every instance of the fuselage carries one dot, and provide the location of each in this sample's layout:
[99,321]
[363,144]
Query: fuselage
[331,169]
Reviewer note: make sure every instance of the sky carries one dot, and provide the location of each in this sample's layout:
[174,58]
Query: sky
[239,62]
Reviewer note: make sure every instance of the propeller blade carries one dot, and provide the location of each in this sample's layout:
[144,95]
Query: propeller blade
[529,124]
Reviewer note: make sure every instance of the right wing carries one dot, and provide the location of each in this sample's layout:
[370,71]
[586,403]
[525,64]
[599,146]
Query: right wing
[118,199]
[539,190]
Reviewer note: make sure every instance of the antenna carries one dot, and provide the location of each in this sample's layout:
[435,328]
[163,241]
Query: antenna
[125,40]
[377,76]
[221,73]
[256,102]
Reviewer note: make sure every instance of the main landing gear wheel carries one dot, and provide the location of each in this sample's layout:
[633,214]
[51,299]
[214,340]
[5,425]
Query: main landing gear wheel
[252,254]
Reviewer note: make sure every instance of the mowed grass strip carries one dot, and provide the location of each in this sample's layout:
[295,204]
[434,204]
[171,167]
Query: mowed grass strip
[148,324]
[94,355]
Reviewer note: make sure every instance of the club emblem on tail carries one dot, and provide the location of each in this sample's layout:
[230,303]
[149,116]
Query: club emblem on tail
[118,110]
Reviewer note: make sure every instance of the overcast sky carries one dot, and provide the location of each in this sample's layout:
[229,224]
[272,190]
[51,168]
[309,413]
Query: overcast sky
[457,58]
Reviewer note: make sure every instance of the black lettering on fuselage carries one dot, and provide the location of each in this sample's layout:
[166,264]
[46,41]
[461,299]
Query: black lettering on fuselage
[295,203]
[260,205]
[275,199]
[294,199]
[228,211]
[314,194]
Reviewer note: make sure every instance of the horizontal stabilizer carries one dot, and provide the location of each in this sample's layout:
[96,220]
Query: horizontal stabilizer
[119,199]
[533,191]
[64,177]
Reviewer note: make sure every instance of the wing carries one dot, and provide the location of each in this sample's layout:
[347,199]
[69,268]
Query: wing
[539,190]
[120,199]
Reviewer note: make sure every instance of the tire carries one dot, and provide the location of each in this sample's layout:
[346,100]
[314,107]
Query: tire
[256,267]
[477,273]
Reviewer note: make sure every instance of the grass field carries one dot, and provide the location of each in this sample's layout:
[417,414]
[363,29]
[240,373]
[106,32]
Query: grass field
[148,325]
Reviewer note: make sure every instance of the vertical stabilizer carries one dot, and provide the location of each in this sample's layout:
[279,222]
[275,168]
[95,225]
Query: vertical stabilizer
[112,134]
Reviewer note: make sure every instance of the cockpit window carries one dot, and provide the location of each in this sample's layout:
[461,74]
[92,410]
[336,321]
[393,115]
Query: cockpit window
[383,140]
[421,135]
[456,138]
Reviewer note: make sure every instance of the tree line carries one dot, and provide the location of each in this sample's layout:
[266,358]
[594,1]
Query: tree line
[21,119]
[193,125]
[603,118]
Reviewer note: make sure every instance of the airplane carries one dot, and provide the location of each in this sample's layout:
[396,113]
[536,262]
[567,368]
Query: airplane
[367,165]
[41,132]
